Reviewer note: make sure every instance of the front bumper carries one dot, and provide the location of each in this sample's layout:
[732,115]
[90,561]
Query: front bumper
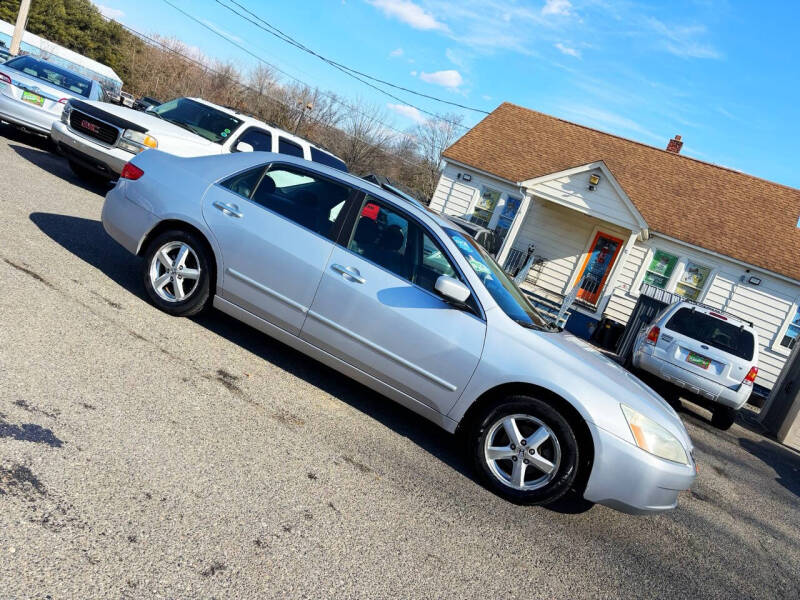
[26,115]
[692,382]
[626,478]
[104,160]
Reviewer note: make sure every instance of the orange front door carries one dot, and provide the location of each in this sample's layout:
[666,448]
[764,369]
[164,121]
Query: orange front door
[596,267]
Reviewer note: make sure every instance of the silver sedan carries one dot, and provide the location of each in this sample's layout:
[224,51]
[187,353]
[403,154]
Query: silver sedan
[407,304]
[33,92]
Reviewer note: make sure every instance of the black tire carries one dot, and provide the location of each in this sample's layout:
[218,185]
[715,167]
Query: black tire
[563,475]
[723,417]
[198,297]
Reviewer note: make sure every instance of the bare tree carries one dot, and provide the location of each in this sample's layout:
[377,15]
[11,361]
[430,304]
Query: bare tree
[366,140]
[433,138]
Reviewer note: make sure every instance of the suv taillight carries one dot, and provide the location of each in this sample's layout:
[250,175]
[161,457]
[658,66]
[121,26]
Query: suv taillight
[751,376]
[131,171]
[652,335]
[5,78]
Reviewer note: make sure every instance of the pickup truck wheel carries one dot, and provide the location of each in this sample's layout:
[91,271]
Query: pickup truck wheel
[723,417]
[177,273]
[524,451]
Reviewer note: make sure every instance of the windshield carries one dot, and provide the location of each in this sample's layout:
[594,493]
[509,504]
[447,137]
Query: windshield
[205,121]
[51,75]
[504,291]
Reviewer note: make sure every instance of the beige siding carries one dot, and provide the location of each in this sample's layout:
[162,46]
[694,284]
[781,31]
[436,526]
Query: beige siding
[620,304]
[573,192]
[454,196]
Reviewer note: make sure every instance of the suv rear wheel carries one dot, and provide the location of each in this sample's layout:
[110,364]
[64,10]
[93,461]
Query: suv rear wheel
[524,450]
[723,417]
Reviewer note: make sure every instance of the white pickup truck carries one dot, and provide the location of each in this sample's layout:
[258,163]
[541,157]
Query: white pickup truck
[99,138]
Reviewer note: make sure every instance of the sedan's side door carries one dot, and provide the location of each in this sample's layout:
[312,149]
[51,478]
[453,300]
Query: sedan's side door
[275,227]
[377,309]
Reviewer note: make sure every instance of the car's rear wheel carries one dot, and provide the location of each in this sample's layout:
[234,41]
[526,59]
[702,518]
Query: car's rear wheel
[723,417]
[177,273]
[524,450]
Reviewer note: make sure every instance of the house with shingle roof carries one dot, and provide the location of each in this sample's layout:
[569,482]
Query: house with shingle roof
[579,213]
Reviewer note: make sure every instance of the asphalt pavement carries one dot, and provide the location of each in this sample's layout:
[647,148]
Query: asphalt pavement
[144,456]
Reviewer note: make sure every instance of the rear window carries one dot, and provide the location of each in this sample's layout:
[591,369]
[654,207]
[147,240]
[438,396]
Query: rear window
[714,332]
[51,75]
[323,158]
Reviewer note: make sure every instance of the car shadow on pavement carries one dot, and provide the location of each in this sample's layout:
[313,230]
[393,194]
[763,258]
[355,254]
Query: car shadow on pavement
[40,152]
[785,462]
[87,240]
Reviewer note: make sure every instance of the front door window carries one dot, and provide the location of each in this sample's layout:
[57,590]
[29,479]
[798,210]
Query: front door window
[597,266]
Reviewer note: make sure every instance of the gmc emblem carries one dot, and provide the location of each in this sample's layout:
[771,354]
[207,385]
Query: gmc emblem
[90,126]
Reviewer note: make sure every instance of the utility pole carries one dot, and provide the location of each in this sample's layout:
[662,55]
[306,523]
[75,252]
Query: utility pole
[19,28]
[303,110]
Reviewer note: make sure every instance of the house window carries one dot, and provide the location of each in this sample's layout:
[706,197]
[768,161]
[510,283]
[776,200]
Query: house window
[792,331]
[482,213]
[692,281]
[660,269]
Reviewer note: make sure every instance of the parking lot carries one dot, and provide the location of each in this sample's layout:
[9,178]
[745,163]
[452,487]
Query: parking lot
[143,456]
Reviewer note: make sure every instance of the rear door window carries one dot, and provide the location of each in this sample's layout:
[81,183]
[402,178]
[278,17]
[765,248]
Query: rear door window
[290,148]
[260,140]
[714,332]
[308,199]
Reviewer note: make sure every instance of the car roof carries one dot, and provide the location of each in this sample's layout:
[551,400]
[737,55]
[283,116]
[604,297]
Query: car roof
[252,120]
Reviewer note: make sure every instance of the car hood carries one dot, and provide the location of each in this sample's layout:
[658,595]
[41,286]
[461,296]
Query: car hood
[587,362]
[171,138]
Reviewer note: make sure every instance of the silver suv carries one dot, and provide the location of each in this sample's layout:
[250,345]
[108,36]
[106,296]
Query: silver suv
[707,352]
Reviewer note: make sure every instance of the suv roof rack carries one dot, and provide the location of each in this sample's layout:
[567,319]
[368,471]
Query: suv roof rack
[671,298]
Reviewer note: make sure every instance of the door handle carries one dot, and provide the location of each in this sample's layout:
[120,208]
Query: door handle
[229,209]
[349,272]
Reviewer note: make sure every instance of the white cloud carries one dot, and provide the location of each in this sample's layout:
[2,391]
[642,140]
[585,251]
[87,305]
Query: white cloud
[108,12]
[610,121]
[557,7]
[682,40]
[450,78]
[222,32]
[568,50]
[409,13]
[397,52]
[408,112]
[413,73]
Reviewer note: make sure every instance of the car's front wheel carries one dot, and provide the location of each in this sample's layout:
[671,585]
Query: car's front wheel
[177,273]
[525,450]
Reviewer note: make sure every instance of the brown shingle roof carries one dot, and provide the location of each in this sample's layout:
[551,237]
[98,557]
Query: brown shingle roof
[726,211]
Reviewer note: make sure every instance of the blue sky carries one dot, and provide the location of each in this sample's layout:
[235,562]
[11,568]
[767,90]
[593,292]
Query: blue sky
[723,74]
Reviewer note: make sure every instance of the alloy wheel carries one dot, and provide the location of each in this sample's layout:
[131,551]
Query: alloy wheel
[522,452]
[174,271]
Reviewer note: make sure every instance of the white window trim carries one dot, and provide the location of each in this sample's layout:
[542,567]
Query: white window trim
[776,342]
[677,272]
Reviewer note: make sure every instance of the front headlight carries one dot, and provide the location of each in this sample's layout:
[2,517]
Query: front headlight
[140,139]
[653,438]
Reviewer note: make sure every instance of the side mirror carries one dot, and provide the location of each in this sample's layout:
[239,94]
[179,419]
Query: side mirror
[243,147]
[452,289]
